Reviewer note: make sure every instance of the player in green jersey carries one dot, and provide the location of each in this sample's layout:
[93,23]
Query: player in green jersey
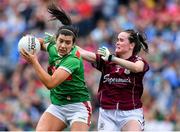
[65,79]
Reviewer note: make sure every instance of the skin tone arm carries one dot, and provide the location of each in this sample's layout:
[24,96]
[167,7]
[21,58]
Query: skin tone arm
[87,55]
[43,47]
[49,81]
[138,66]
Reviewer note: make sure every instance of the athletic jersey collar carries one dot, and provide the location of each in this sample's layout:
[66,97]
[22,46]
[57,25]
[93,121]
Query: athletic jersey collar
[72,52]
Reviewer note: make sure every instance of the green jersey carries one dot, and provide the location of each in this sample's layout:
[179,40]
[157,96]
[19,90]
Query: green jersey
[73,89]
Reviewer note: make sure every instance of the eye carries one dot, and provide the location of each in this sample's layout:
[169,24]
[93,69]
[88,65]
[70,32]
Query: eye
[116,40]
[121,39]
[61,41]
[68,42]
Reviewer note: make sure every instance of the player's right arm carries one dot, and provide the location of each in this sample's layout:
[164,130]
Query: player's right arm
[50,81]
[87,55]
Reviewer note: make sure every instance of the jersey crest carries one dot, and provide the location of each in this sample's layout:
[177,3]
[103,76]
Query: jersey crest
[126,71]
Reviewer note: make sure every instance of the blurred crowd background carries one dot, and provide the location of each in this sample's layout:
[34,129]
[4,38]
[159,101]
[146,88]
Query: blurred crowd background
[23,98]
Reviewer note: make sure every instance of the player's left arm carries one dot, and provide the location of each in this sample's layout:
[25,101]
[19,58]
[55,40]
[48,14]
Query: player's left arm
[50,81]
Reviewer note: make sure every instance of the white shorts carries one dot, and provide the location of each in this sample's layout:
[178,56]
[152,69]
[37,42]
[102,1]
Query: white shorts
[72,112]
[114,120]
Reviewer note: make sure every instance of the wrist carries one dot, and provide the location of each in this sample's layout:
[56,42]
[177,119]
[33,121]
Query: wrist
[110,58]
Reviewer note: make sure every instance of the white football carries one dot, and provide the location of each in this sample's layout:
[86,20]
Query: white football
[29,43]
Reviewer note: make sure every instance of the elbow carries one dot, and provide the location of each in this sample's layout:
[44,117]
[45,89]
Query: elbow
[137,69]
[50,85]
[49,88]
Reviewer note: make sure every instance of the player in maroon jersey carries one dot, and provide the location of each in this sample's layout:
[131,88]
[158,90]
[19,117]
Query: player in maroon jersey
[121,83]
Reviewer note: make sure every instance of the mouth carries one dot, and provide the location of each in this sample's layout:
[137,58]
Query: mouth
[61,51]
[118,48]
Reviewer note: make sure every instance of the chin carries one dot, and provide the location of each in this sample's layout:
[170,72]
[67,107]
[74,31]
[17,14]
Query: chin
[61,54]
[118,53]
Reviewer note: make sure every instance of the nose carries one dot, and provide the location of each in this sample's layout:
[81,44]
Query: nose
[117,43]
[63,44]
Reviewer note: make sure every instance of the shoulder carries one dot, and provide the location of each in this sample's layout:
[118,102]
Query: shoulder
[135,58]
[146,65]
[71,59]
[51,47]
[75,53]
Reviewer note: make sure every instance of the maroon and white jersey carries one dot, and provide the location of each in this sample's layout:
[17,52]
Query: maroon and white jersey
[119,87]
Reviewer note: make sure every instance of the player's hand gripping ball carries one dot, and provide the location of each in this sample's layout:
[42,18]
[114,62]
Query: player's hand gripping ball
[29,43]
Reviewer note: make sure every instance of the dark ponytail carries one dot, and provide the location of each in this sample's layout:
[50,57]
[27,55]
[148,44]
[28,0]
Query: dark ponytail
[142,40]
[59,14]
[139,40]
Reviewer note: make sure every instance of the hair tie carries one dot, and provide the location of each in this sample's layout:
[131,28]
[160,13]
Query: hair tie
[68,31]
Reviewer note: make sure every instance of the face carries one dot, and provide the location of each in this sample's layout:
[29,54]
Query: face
[123,45]
[64,44]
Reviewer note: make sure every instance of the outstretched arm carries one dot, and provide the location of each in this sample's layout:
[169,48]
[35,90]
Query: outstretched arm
[137,66]
[87,55]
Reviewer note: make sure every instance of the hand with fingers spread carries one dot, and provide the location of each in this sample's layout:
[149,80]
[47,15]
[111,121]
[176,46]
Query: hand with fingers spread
[105,53]
[29,57]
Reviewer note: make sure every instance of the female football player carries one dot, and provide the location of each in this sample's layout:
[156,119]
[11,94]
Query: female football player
[121,83]
[65,79]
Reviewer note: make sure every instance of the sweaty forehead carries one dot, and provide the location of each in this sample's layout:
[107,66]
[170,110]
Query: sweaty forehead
[123,35]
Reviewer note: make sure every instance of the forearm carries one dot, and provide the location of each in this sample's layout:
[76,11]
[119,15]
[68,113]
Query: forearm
[87,55]
[45,78]
[43,47]
[134,67]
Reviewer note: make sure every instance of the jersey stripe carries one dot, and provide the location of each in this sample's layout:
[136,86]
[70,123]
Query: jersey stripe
[66,69]
[134,83]
[89,109]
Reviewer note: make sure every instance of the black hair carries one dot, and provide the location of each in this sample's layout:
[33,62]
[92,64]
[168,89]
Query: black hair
[139,39]
[59,14]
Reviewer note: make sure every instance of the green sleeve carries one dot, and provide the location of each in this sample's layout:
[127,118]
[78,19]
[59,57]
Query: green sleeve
[49,40]
[70,64]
